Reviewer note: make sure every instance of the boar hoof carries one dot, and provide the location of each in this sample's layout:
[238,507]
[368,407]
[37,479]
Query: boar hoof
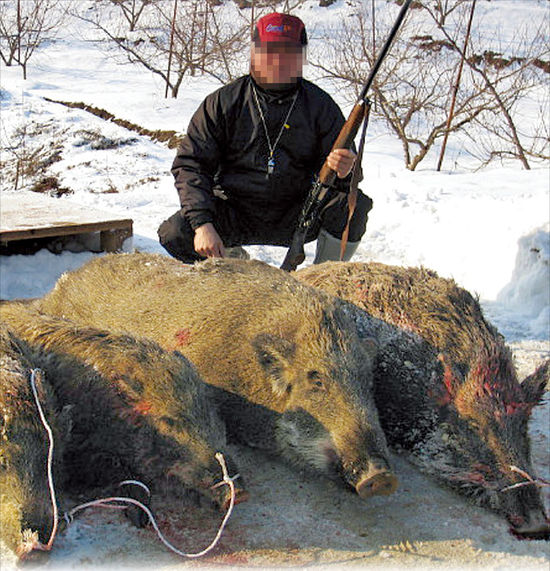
[378,481]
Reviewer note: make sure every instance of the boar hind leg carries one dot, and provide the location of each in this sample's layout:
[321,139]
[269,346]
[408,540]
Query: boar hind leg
[140,492]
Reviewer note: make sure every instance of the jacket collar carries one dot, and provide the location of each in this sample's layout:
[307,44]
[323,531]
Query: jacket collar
[279,95]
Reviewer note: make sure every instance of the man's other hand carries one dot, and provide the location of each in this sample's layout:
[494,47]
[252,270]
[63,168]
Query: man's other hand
[341,161]
[208,242]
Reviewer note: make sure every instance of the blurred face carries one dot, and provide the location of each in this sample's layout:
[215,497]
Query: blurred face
[276,64]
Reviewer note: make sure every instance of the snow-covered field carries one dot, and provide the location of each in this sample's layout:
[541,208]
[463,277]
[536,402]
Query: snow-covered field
[488,229]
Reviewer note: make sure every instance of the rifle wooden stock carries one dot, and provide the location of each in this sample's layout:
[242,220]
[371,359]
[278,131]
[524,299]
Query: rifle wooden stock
[344,140]
[318,195]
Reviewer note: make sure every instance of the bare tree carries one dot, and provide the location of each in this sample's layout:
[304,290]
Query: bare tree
[193,39]
[506,84]
[456,85]
[411,90]
[9,37]
[443,8]
[25,26]
[508,131]
[24,159]
[206,40]
[413,87]
[132,10]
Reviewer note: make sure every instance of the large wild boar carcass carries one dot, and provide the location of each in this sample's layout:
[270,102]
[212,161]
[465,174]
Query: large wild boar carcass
[139,412]
[293,375]
[445,383]
[26,508]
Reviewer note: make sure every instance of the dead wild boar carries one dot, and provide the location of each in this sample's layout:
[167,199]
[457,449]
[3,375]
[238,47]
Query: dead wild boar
[26,510]
[290,367]
[445,384]
[138,411]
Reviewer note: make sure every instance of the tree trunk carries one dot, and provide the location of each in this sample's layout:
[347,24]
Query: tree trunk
[456,87]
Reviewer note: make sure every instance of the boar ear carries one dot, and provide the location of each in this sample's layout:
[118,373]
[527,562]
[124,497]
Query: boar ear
[535,384]
[273,354]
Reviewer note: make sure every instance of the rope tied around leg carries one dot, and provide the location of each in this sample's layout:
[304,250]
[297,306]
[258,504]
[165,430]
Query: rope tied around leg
[539,482]
[108,502]
[38,374]
[114,502]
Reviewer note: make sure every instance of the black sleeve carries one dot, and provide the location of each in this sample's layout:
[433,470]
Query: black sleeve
[197,161]
[332,121]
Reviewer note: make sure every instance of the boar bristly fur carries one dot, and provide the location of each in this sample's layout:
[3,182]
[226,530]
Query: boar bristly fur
[139,411]
[462,412]
[26,510]
[289,365]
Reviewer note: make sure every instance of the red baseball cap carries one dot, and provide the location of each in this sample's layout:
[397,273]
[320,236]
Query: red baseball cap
[276,27]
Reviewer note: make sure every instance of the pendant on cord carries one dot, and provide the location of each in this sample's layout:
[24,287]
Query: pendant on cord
[270,165]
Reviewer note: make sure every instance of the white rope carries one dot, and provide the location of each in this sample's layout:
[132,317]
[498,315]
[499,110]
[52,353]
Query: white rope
[530,481]
[106,502]
[34,374]
[137,483]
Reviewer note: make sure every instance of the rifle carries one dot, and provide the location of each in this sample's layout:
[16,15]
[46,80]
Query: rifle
[320,193]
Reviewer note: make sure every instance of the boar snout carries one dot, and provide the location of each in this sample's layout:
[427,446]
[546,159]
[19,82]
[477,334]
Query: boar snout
[524,510]
[534,526]
[377,481]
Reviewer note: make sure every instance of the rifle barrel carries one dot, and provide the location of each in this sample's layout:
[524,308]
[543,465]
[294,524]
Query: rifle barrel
[385,49]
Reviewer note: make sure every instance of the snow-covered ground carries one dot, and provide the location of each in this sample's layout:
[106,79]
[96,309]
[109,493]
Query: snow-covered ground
[467,224]
[488,229]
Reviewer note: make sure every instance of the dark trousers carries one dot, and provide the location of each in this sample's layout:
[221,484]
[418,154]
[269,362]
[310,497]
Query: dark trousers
[177,236]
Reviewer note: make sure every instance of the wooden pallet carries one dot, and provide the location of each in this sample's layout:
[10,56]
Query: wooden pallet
[29,215]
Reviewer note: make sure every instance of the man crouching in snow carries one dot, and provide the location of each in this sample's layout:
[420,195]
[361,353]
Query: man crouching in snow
[250,154]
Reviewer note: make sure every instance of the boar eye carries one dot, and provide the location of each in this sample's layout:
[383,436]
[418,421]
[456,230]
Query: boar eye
[168,421]
[315,379]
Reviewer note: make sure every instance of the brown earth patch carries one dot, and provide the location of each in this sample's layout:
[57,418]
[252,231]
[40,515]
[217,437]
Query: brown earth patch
[171,138]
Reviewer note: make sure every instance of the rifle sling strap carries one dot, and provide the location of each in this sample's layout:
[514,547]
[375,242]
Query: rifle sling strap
[354,184]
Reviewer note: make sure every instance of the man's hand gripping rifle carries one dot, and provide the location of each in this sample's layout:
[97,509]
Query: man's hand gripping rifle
[321,191]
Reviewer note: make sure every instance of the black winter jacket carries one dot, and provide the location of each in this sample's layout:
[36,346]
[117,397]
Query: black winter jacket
[226,146]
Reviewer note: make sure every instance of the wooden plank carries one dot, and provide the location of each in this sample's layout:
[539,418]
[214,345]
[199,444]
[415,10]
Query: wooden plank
[25,215]
[67,230]
[112,240]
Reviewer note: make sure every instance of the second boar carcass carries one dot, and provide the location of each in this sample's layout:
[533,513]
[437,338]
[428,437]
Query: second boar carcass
[26,508]
[445,384]
[293,375]
[138,412]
